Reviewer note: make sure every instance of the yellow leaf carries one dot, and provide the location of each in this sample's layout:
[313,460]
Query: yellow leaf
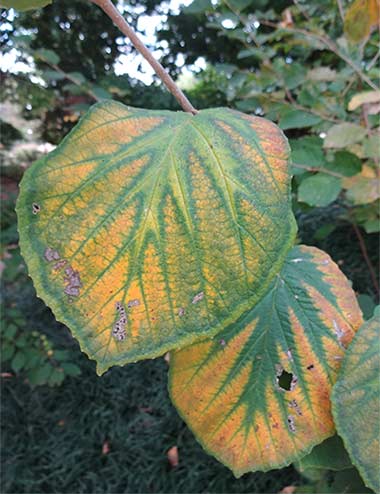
[362,98]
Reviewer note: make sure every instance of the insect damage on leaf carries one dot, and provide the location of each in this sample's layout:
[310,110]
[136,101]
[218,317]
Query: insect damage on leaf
[252,402]
[188,215]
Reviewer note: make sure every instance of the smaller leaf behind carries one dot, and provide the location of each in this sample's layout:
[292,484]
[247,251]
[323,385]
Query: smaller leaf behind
[257,396]
[355,400]
[329,455]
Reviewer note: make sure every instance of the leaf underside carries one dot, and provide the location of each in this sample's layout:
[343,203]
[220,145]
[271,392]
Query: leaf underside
[257,396]
[356,402]
[146,230]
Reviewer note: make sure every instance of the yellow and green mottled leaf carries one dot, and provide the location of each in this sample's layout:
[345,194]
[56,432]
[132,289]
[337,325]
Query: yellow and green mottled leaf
[356,402]
[257,395]
[146,230]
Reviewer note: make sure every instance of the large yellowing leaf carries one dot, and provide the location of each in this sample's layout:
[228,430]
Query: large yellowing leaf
[257,395]
[145,230]
[356,401]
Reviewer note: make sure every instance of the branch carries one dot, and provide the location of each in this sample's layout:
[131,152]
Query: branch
[72,79]
[109,8]
[363,248]
[329,43]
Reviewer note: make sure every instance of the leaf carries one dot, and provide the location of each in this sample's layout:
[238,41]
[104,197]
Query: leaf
[371,146]
[41,375]
[363,98]
[355,400]
[257,395]
[308,151]
[344,134]
[359,19]
[24,4]
[329,455]
[156,228]
[198,7]
[298,119]
[321,74]
[367,305]
[319,190]
[18,361]
[71,369]
[48,56]
[364,187]
[344,163]
[347,481]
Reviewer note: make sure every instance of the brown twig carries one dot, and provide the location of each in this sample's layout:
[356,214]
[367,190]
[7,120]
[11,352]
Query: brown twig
[363,249]
[109,8]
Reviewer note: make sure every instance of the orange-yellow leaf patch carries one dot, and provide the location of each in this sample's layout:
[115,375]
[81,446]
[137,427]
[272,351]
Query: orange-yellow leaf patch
[257,395]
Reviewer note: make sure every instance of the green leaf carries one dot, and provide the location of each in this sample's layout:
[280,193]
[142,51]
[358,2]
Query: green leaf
[345,481]
[371,146]
[24,4]
[79,78]
[372,226]
[324,231]
[40,375]
[355,401]
[367,305]
[329,455]
[10,331]
[307,151]
[344,134]
[298,119]
[18,361]
[198,7]
[239,5]
[345,163]
[49,56]
[319,190]
[7,351]
[257,395]
[71,369]
[56,377]
[156,228]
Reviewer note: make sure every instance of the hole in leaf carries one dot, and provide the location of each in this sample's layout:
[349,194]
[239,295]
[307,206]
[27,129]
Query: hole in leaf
[285,380]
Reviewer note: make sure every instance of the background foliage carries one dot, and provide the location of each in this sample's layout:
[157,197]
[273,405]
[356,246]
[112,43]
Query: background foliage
[298,63]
